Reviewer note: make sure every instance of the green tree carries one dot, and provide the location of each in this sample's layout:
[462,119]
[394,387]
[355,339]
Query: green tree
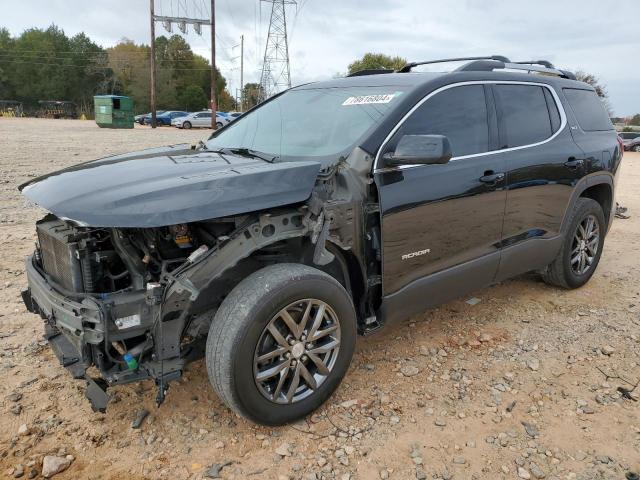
[42,67]
[376,61]
[251,95]
[6,47]
[192,98]
[635,120]
[47,65]
[93,75]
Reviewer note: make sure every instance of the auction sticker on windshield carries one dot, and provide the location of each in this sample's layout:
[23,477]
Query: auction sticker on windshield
[368,99]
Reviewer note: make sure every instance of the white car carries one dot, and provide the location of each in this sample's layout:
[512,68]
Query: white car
[198,120]
[234,115]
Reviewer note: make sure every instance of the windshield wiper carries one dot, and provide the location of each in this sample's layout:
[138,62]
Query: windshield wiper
[247,152]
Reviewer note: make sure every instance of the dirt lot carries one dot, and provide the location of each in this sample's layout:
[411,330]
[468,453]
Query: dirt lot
[523,384]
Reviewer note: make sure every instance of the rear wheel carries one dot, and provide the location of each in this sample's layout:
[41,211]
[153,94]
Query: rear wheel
[186,125]
[280,343]
[581,249]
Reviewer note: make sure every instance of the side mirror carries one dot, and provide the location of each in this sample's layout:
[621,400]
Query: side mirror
[420,150]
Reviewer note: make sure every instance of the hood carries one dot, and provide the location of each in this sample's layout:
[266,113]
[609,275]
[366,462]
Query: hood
[169,185]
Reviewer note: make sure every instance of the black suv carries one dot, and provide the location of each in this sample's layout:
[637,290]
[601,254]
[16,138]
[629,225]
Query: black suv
[330,210]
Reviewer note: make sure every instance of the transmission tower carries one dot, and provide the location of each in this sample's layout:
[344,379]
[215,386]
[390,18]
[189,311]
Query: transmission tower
[275,67]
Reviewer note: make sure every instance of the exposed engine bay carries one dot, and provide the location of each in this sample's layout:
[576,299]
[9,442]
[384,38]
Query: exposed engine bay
[137,303]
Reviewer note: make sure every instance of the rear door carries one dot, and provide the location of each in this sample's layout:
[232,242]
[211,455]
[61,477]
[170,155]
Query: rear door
[543,165]
[203,119]
[441,224]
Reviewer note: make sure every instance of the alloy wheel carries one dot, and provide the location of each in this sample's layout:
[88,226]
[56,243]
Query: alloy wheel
[584,247]
[297,351]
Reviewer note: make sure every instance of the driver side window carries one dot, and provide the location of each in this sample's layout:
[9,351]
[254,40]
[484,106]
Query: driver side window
[459,113]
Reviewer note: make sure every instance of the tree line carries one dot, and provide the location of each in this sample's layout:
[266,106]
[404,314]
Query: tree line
[46,64]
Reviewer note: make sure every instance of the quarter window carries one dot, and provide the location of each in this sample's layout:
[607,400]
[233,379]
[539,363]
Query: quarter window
[459,113]
[525,116]
[589,110]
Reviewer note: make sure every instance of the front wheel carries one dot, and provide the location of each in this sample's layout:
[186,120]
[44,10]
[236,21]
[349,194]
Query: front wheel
[636,148]
[186,125]
[581,248]
[218,125]
[280,343]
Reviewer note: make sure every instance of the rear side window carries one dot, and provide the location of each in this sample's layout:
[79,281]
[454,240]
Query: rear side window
[525,115]
[459,113]
[589,110]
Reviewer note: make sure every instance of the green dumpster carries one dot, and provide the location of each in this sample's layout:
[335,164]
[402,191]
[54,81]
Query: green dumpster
[113,111]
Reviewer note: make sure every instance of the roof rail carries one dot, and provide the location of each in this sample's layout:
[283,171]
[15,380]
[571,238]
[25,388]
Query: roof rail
[480,64]
[370,71]
[407,68]
[544,63]
[538,66]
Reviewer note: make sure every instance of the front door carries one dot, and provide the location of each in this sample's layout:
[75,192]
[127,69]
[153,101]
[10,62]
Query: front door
[442,224]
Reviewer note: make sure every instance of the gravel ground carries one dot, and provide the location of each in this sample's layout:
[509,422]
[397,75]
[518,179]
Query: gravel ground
[522,384]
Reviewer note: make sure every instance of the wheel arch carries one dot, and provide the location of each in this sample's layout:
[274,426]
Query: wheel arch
[283,237]
[599,187]
[603,194]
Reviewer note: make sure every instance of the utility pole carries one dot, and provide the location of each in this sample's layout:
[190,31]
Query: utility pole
[275,67]
[214,104]
[182,21]
[153,65]
[242,73]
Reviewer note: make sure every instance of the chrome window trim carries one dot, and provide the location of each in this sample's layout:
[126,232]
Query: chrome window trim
[556,98]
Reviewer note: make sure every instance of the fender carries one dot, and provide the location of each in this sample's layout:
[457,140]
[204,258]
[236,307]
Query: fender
[583,184]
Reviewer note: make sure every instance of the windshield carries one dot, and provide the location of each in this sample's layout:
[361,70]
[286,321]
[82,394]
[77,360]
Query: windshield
[319,124]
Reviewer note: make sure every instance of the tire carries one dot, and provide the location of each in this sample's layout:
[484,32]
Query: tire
[186,125]
[218,125]
[636,148]
[562,272]
[239,332]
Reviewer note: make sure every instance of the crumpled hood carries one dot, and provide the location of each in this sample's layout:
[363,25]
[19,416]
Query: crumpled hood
[169,185]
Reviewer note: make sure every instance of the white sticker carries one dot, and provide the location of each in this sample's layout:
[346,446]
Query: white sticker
[128,322]
[368,99]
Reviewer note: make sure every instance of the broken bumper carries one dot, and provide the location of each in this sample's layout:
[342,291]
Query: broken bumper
[75,329]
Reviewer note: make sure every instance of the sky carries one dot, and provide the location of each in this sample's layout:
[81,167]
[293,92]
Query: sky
[325,36]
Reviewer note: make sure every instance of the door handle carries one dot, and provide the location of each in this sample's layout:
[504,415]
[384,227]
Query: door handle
[491,178]
[573,163]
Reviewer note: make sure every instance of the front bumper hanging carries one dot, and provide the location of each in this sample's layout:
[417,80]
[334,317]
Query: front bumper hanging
[75,332]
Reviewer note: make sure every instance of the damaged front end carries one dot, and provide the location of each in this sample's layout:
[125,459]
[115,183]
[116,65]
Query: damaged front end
[136,303]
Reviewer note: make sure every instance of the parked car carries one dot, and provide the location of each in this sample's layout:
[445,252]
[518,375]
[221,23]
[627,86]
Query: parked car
[225,117]
[234,115]
[198,120]
[334,209]
[146,117]
[166,118]
[631,140]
